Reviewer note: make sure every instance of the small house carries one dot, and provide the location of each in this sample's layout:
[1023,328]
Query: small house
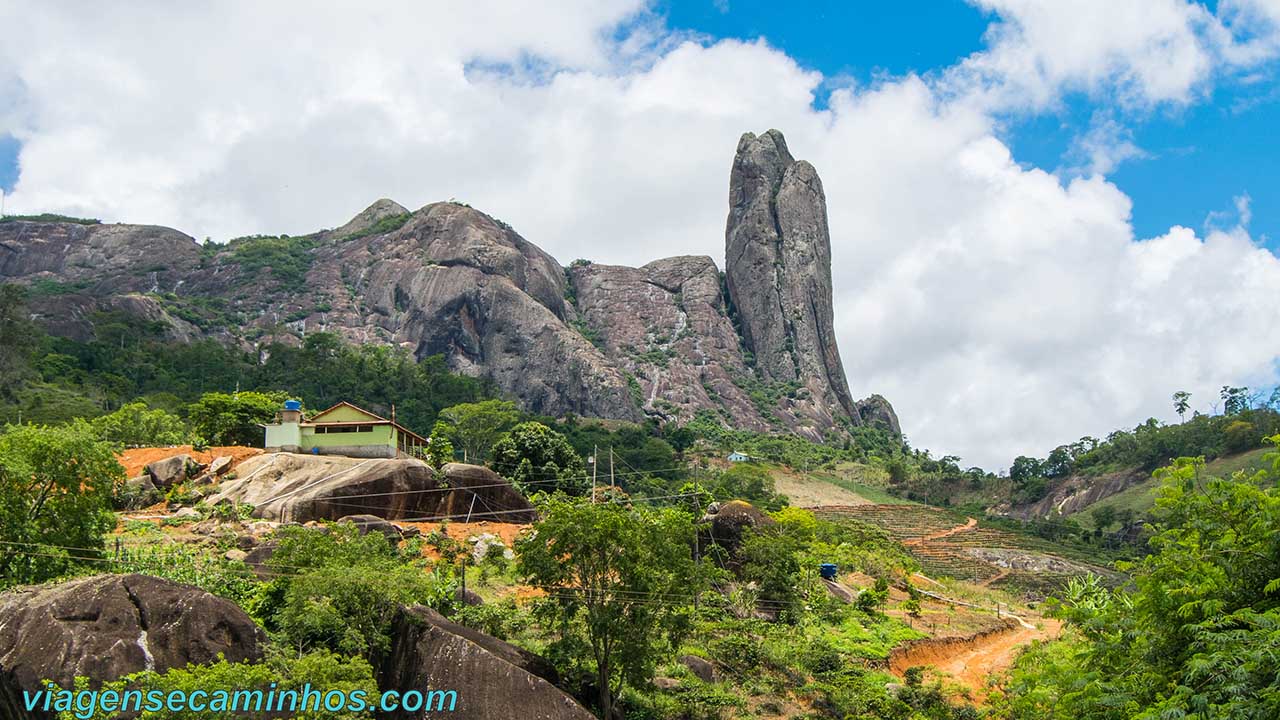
[343,429]
[737,457]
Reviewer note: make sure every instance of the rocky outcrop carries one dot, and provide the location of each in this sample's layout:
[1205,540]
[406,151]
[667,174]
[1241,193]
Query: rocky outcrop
[666,324]
[368,218]
[778,273]
[285,487]
[875,411]
[1078,492]
[754,345]
[108,626]
[726,524]
[492,679]
[455,282]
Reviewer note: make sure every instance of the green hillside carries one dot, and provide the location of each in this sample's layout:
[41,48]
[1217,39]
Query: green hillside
[1142,497]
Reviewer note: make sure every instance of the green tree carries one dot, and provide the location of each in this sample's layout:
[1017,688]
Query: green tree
[1024,469]
[1103,517]
[135,425]
[750,482]
[234,419]
[537,458]
[1199,634]
[1235,400]
[55,499]
[439,450]
[477,426]
[17,339]
[1181,403]
[680,438]
[1240,435]
[341,590]
[612,574]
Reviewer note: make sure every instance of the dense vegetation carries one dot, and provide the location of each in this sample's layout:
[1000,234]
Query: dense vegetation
[46,379]
[330,596]
[1195,637]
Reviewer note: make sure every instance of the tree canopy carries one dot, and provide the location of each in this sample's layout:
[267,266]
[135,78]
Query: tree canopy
[55,499]
[612,572]
[538,459]
[1199,634]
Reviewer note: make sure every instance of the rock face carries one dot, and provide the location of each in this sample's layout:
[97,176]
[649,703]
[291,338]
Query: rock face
[755,345]
[107,626]
[284,487]
[778,272]
[492,678]
[1077,492]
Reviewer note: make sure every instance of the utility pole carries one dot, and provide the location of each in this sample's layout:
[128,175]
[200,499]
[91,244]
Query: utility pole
[611,483]
[595,450]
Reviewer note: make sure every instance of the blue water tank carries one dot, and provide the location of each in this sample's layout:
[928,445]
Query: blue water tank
[292,405]
[828,571]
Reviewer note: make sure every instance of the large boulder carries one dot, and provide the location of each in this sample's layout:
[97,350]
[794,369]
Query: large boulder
[108,626]
[725,524]
[372,523]
[172,470]
[492,679]
[288,487]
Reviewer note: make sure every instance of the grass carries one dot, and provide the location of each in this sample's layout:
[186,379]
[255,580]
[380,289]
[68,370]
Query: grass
[862,480]
[387,224]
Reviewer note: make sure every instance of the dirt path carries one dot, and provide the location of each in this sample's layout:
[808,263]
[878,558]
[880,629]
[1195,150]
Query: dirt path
[971,524]
[970,662]
[1004,573]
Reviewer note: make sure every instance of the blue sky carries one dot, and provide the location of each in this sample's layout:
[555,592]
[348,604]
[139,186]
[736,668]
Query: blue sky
[1195,160]
[964,277]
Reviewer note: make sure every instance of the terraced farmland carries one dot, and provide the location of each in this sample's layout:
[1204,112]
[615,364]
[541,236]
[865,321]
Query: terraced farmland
[951,545]
[903,522]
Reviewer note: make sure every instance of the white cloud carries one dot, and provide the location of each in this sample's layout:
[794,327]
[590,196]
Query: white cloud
[1003,309]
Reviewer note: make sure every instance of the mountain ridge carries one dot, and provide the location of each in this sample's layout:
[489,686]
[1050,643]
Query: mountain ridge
[671,339]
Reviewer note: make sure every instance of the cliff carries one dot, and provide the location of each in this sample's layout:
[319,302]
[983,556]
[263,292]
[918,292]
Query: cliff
[755,345]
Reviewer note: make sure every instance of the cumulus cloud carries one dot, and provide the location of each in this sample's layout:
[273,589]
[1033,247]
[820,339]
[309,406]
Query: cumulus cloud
[1002,308]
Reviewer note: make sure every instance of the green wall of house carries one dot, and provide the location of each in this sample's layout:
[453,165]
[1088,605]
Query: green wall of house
[376,435]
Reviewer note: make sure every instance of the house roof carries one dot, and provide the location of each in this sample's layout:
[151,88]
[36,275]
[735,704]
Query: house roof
[374,419]
[344,403]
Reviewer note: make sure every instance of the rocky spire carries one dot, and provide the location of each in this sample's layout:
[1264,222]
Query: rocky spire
[778,268]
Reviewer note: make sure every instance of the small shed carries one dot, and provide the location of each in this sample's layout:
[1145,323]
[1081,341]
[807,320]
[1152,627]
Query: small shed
[737,457]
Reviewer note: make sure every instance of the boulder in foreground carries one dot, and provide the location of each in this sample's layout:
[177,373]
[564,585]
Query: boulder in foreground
[107,626]
[493,679]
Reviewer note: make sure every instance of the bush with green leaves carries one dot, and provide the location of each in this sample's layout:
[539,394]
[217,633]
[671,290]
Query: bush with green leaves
[1197,635]
[338,589]
[280,672]
[196,566]
[137,425]
[234,418]
[56,485]
[538,459]
[751,482]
